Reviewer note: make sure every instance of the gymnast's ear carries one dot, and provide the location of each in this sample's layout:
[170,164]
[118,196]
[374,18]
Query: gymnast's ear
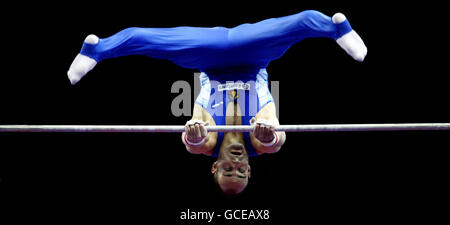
[214,168]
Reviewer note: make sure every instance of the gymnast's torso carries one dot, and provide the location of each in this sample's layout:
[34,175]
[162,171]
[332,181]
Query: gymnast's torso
[233,98]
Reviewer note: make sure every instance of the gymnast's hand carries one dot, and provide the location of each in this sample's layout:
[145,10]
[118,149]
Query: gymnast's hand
[263,130]
[196,132]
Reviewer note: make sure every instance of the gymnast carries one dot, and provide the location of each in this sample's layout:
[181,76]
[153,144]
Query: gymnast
[234,80]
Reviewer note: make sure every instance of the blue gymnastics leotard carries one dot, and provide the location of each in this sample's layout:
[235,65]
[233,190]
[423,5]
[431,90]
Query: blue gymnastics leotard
[223,54]
[248,89]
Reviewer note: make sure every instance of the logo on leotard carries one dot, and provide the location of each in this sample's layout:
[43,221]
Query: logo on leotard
[233,86]
[233,94]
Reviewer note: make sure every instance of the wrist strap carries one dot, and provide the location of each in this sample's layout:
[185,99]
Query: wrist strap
[273,142]
[190,143]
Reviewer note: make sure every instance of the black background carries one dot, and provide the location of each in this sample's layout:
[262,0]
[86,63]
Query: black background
[356,177]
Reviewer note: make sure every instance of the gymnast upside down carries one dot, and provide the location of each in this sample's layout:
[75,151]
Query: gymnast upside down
[238,55]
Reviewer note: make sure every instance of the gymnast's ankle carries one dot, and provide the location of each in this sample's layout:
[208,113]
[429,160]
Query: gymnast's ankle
[338,18]
[91,39]
[83,63]
[350,41]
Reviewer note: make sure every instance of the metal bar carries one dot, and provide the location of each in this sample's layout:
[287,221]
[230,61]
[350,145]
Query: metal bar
[232,128]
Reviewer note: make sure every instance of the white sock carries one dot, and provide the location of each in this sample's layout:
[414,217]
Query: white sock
[91,39]
[351,42]
[82,64]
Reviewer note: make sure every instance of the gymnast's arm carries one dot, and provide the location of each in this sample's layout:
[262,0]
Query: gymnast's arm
[266,133]
[195,131]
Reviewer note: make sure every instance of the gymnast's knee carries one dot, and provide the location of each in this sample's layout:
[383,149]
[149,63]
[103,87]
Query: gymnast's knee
[308,14]
[136,33]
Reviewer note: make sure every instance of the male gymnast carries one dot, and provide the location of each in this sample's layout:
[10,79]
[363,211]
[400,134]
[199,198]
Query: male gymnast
[234,80]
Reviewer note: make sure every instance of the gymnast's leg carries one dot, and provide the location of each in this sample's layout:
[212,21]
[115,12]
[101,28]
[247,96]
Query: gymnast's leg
[270,38]
[191,47]
[184,46]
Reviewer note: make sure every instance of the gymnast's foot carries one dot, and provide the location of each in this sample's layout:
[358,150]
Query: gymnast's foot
[350,42]
[82,64]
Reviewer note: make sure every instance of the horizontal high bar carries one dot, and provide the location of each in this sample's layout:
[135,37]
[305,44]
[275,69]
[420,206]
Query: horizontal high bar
[227,128]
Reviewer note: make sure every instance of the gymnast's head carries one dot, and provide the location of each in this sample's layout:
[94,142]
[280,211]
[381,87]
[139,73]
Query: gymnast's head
[231,170]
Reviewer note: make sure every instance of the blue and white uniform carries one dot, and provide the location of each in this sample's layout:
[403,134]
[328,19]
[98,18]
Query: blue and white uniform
[248,89]
[219,49]
[223,55]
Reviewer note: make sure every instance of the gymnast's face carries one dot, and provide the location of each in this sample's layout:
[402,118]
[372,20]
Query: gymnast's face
[231,170]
